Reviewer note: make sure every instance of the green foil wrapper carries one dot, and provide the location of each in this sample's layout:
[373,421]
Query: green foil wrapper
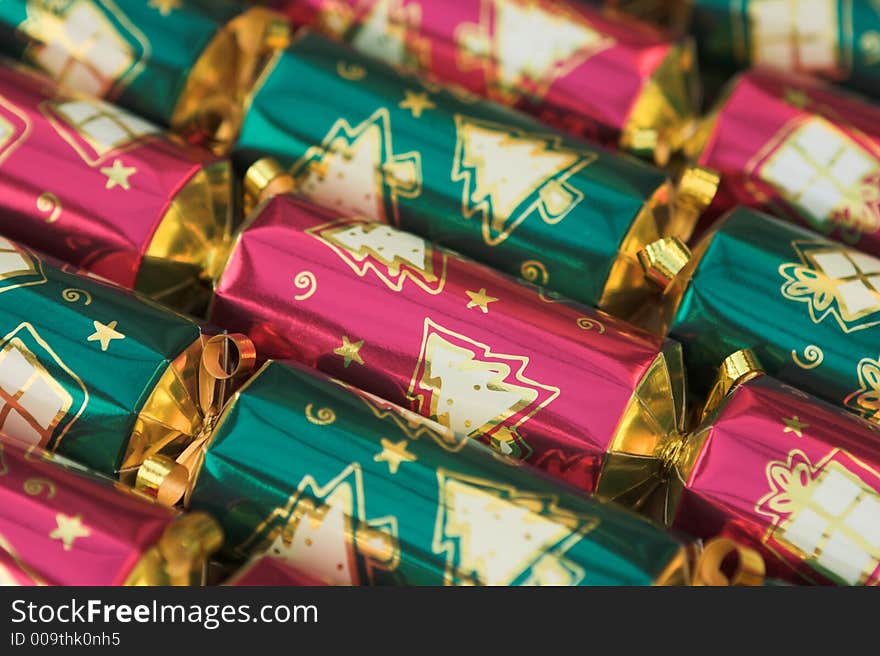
[187,64]
[358,137]
[835,39]
[808,307]
[349,489]
[86,368]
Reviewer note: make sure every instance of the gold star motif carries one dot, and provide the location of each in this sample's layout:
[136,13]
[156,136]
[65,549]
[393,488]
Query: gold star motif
[165,7]
[416,102]
[105,334]
[796,98]
[350,351]
[794,425]
[394,453]
[69,529]
[480,299]
[118,175]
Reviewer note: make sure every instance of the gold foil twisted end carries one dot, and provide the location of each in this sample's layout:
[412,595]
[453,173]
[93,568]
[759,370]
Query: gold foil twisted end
[663,260]
[224,357]
[736,369]
[180,556]
[697,188]
[263,179]
[709,570]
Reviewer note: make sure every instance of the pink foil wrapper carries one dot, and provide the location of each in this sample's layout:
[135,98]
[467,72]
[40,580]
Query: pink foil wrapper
[269,571]
[61,527]
[570,65]
[85,181]
[483,354]
[793,477]
[797,148]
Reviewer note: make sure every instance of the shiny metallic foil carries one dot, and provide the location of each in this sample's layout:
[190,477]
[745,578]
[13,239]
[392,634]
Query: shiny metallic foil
[350,490]
[90,371]
[188,65]
[364,140]
[96,186]
[62,526]
[269,570]
[794,478]
[835,39]
[812,156]
[807,306]
[569,389]
[586,72]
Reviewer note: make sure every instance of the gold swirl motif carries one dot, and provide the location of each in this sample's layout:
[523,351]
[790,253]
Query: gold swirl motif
[591,324]
[36,486]
[534,271]
[353,72]
[305,280]
[73,295]
[324,417]
[49,202]
[813,355]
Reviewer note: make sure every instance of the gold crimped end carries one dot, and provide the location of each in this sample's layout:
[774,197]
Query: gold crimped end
[697,189]
[212,106]
[266,178]
[163,479]
[709,570]
[736,369]
[663,260]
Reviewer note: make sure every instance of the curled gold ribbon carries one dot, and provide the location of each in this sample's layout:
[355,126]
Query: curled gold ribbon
[750,569]
[223,358]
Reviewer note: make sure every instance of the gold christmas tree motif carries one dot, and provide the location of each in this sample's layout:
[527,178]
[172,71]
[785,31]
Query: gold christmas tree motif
[393,255]
[414,426]
[18,268]
[559,40]
[355,171]
[509,175]
[465,386]
[824,174]
[834,281]
[14,128]
[389,30]
[96,130]
[40,397]
[866,400]
[827,513]
[494,534]
[87,45]
[795,34]
[323,530]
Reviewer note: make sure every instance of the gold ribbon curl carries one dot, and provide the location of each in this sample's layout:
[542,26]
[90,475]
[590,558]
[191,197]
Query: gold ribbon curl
[709,569]
[223,358]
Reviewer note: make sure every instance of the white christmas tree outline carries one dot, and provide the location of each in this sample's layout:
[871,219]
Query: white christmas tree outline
[46,24]
[394,176]
[546,191]
[411,424]
[24,347]
[809,282]
[547,534]
[369,544]
[390,30]
[12,135]
[793,482]
[92,151]
[494,45]
[394,272]
[506,372]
